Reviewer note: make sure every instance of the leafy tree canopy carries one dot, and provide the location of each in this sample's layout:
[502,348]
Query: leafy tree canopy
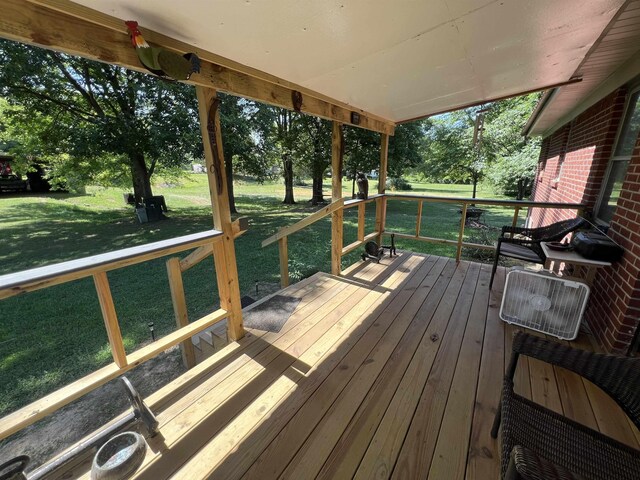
[95,118]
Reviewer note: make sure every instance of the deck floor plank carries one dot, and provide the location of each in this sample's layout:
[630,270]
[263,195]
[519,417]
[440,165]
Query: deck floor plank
[484,450]
[333,402]
[393,370]
[352,445]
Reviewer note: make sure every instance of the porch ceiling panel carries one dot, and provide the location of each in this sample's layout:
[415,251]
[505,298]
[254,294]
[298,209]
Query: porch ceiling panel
[398,60]
[613,60]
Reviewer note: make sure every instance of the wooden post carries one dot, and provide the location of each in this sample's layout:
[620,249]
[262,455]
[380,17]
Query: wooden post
[110,318]
[514,222]
[419,218]
[337,150]
[463,221]
[174,271]
[361,221]
[224,252]
[381,204]
[283,252]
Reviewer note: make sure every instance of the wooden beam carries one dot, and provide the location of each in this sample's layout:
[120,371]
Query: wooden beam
[463,221]
[305,222]
[419,218]
[381,205]
[196,257]
[174,272]
[110,319]
[361,220]
[283,253]
[337,217]
[76,30]
[47,276]
[224,252]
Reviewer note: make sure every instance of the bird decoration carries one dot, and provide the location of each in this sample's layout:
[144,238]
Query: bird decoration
[161,62]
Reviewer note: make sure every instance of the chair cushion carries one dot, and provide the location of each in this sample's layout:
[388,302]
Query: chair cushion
[520,252]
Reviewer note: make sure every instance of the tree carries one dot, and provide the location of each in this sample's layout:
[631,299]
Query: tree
[515,157]
[91,111]
[277,128]
[513,175]
[239,144]
[449,151]
[313,149]
[406,147]
[361,152]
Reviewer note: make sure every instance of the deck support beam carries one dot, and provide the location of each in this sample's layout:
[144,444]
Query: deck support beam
[224,252]
[381,203]
[337,151]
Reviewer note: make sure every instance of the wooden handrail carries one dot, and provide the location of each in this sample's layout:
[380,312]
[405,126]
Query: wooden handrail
[464,202]
[98,266]
[41,277]
[485,201]
[305,222]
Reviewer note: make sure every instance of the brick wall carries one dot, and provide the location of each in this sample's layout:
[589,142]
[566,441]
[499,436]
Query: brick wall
[572,166]
[574,159]
[614,309]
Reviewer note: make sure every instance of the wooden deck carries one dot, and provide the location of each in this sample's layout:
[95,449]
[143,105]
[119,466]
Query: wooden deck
[392,371]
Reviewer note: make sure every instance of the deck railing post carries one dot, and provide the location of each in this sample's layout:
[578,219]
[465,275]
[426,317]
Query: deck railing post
[419,218]
[337,151]
[514,222]
[361,221]
[283,253]
[224,252]
[463,221]
[381,204]
[174,272]
[110,318]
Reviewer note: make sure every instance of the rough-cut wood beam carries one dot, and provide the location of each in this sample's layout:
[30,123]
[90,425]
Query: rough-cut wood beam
[70,28]
[337,152]
[224,252]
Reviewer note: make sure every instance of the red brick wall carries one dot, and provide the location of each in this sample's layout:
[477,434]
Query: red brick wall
[584,148]
[574,159]
[614,309]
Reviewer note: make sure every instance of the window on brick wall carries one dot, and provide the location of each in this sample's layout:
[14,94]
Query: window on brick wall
[620,160]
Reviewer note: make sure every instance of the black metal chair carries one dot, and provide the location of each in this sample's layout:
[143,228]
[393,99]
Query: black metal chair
[526,246]
[540,444]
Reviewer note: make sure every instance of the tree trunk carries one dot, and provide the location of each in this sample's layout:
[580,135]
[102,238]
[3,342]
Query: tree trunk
[228,169]
[288,179]
[317,196]
[475,186]
[140,177]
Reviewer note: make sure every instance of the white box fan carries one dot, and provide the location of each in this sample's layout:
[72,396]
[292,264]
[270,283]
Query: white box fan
[544,302]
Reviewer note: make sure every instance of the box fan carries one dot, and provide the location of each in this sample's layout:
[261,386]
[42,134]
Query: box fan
[544,302]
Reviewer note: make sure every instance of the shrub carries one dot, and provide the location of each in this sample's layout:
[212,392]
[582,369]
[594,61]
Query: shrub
[398,183]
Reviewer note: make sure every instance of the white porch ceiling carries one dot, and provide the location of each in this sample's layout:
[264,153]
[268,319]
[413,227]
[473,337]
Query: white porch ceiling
[398,59]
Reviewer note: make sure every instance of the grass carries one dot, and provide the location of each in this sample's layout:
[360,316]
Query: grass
[50,337]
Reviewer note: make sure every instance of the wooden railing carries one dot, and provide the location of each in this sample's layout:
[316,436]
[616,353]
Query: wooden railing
[464,203]
[380,227]
[97,267]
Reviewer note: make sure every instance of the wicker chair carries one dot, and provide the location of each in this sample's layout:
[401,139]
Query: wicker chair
[526,246]
[540,444]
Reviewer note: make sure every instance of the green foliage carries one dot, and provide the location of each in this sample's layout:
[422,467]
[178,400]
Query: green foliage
[93,111]
[503,154]
[398,183]
[513,175]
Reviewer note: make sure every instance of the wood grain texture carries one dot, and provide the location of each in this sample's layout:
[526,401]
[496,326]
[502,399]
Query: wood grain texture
[110,318]
[174,272]
[224,253]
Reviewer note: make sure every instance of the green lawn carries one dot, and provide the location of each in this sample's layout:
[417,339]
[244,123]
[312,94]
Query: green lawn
[53,336]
